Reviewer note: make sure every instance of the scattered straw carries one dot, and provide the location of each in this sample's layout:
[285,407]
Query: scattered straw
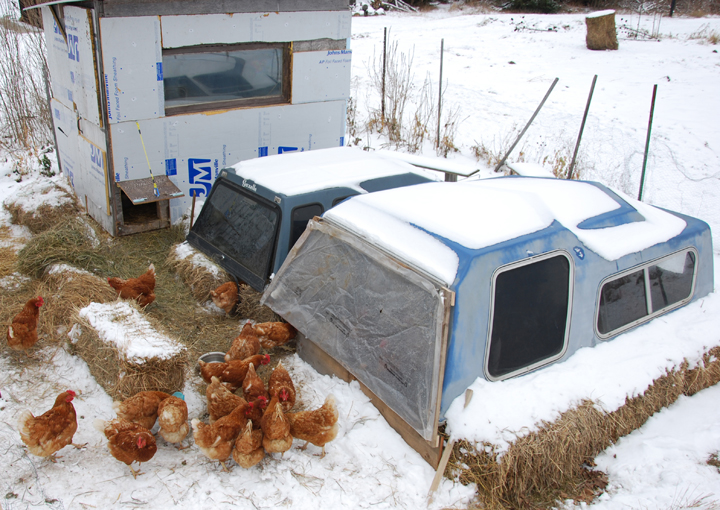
[67,243]
[551,464]
[45,216]
[8,257]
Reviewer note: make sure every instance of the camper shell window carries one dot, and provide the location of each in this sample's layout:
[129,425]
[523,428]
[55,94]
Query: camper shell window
[241,228]
[530,315]
[201,78]
[635,296]
[299,219]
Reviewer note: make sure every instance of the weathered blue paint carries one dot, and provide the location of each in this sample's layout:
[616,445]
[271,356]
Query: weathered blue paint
[470,323]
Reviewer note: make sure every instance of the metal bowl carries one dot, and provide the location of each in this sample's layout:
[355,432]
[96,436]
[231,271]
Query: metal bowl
[213,357]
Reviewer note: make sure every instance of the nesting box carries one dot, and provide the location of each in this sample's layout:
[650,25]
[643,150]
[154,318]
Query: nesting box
[151,99]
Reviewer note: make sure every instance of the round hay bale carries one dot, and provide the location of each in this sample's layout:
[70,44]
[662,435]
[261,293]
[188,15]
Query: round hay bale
[601,33]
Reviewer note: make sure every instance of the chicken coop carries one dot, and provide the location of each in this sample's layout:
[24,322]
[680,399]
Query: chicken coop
[151,99]
[416,292]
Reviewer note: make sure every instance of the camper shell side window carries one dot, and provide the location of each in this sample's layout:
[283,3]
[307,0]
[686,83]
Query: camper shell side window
[299,219]
[637,295]
[530,314]
[202,78]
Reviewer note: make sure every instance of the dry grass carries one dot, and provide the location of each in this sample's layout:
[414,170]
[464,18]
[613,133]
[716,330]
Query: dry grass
[43,218]
[8,258]
[551,464]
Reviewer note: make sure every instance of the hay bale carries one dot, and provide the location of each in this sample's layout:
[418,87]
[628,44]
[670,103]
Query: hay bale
[40,205]
[197,271]
[66,289]
[601,33]
[125,352]
[202,275]
[550,464]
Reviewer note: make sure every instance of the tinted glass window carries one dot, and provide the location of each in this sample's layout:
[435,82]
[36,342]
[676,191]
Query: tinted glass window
[300,217]
[530,315]
[240,226]
[622,301]
[671,280]
[196,77]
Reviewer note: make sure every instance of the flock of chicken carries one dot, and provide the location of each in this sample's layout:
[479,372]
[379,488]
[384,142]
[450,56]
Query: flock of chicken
[244,427]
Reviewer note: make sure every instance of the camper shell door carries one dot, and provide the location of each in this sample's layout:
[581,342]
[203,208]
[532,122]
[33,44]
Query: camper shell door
[383,321]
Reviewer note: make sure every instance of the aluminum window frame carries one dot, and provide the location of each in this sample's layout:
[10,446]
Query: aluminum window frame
[648,295]
[568,320]
[286,67]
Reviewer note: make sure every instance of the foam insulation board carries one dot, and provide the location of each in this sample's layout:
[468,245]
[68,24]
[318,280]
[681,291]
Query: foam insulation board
[81,56]
[321,76]
[66,134]
[58,60]
[191,149]
[178,31]
[92,170]
[132,64]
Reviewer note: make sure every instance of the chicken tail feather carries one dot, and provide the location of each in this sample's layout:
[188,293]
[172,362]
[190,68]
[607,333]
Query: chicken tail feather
[24,422]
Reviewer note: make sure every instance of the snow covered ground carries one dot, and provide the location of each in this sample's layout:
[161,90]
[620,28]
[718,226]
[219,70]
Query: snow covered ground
[660,466]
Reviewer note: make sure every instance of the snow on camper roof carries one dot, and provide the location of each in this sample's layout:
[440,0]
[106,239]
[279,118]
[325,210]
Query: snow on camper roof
[481,213]
[302,172]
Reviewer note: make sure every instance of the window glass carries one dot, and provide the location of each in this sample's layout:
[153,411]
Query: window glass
[671,280]
[622,301]
[240,226]
[530,315]
[197,77]
[300,217]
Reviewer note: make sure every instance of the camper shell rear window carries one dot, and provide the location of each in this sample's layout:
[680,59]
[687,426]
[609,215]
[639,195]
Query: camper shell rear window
[240,230]
[530,314]
[637,295]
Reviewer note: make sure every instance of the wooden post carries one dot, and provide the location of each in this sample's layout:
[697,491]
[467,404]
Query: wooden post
[192,209]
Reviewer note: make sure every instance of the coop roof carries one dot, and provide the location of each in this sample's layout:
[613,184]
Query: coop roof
[421,223]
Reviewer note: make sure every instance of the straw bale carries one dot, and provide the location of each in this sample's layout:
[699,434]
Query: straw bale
[61,205]
[122,377]
[66,289]
[601,34]
[552,463]
[199,278]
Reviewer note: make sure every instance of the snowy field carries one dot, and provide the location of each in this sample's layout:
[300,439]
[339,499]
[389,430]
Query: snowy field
[660,466]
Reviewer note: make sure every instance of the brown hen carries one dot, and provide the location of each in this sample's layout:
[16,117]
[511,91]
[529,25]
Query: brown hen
[282,386]
[22,333]
[141,288]
[173,419]
[233,372]
[128,442]
[274,334]
[318,427]
[46,434]
[276,428]
[141,408]
[248,449]
[220,400]
[245,345]
[225,296]
[216,441]
[253,387]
